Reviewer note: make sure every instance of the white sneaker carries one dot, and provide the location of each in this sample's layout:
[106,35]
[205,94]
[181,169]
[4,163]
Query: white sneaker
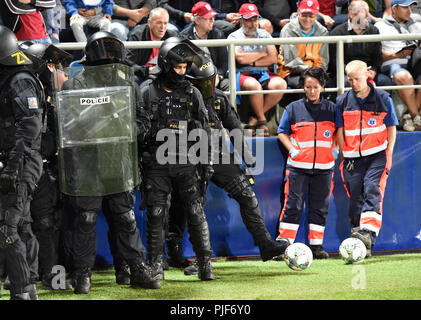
[408,123]
[417,122]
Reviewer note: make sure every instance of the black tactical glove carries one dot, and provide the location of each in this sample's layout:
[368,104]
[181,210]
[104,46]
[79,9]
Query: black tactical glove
[9,175]
[8,181]
[140,71]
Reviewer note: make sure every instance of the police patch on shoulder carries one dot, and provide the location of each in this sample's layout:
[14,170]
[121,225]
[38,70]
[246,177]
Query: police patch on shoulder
[32,103]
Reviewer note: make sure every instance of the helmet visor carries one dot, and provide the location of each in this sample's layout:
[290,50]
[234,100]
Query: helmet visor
[106,49]
[206,86]
[185,52]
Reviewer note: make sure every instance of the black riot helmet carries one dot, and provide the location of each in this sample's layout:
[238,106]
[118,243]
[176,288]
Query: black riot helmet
[38,64]
[203,77]
[103,48]
[172,52]
[43,53]
[175,50]
[10,53]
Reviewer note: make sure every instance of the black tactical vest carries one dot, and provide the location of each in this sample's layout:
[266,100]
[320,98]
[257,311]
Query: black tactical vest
[171,111]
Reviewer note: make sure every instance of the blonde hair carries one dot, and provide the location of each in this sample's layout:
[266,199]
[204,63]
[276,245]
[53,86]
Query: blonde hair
[356,65]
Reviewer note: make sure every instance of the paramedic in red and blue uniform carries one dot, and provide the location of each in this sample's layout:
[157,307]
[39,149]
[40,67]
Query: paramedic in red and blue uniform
[307,131]
[366,137]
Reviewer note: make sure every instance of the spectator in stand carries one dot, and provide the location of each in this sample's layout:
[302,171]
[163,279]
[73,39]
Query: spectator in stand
[25,20]
[154,30]
[396,54]
[127,14]
[179,11]
[252,67]
[277,12]
[387,9]
[54,22]
[226,21]
[369,52]
[416,8]
[293,59]
[202,28]
[96,16]
[343,5]
[227,18]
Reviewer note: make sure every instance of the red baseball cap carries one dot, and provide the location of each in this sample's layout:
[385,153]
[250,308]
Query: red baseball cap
[311,6]
[203,9]
[248,10]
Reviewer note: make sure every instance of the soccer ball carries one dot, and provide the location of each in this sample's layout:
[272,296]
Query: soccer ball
[298,256]
[352,250]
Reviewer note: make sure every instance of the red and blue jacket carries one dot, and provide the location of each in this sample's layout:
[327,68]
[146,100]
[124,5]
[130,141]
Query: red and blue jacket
[311,129]
[365,122]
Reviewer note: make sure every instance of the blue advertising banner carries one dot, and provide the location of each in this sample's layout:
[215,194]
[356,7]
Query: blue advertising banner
[401,226]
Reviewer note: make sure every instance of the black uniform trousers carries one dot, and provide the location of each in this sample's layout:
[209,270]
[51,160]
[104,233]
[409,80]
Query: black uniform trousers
[183,180]
[80,239]
[46,216]
[20,257]
[231,178]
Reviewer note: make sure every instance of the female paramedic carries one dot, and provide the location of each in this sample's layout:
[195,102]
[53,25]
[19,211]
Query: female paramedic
[307,131]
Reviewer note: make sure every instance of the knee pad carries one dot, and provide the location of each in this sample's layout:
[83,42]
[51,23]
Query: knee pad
[196,215]
[240,190]
[247,198]
[86,221]
[156,215]
[44,224]
[125,222]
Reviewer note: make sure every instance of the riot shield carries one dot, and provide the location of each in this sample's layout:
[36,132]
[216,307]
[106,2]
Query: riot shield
[97,132]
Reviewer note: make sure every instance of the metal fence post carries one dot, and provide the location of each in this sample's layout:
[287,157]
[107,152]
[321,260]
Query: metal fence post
[232,75]
[340,76]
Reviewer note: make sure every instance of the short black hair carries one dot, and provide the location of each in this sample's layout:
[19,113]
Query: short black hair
[317,73]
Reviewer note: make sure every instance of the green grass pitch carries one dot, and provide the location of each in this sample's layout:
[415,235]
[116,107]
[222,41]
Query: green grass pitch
[382,277]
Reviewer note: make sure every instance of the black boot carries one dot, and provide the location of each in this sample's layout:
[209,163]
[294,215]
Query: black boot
[6,284]
[319,252]
[122,275]
[205,268]
[155,240]
[175,256]
[270,249]
[140,277]
[191,269]
[20,296]
[366,237]
[156,265]
[33,293]
[83,281]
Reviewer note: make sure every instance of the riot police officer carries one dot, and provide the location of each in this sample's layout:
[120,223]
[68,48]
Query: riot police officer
[21,163]
[228,173]
[176,108]
[98,159]
[48,64]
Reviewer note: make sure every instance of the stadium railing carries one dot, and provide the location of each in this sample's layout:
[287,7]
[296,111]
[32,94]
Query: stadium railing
[339,40]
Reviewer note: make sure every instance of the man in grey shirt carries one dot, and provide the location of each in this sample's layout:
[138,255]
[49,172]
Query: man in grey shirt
[253,62]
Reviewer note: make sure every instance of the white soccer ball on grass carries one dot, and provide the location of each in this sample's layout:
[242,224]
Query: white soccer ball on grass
[298,256]
[352,250]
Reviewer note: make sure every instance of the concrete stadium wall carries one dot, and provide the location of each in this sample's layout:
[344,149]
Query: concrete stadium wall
[401,227]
